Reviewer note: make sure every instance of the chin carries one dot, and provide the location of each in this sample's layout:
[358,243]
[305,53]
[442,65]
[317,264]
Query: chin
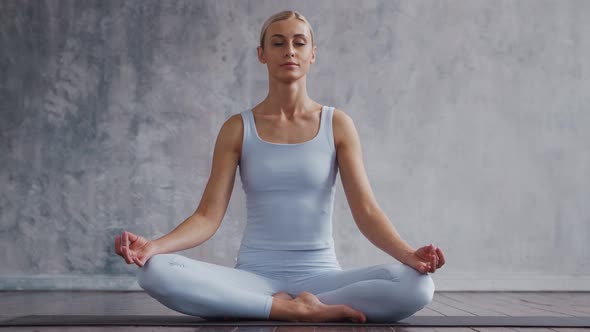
[293,78]
[289,76]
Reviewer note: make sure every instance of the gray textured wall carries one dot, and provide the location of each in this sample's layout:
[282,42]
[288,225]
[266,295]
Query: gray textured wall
[473,117]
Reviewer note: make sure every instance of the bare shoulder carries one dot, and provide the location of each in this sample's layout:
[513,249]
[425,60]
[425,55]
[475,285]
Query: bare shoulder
[234,122]
[230,134]
[343,127]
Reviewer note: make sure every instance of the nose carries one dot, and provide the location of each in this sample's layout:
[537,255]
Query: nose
[290,51]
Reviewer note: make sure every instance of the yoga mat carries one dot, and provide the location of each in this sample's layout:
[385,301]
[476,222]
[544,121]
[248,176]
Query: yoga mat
[414,321]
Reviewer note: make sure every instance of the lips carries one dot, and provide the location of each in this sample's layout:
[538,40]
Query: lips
[290,64]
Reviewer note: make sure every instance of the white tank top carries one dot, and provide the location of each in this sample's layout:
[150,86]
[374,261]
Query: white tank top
[289,188]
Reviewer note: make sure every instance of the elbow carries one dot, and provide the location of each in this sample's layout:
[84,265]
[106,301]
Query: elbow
[214,220]
[209,222]
[212,216]
[365,213]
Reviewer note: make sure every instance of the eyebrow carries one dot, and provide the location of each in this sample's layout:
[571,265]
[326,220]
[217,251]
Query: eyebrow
[297,35]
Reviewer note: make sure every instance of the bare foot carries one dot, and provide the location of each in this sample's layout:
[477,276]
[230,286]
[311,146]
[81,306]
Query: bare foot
[316,311]
[282,296]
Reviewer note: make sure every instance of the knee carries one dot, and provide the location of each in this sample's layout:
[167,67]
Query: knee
[416,289]
[151,276]
[419,288]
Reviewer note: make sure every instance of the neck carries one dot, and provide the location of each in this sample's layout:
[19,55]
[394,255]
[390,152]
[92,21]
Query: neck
[287,97]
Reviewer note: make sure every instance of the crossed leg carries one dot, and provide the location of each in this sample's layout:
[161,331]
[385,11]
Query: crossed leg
[214,291]
[279,295]
[207,290]
[384,293]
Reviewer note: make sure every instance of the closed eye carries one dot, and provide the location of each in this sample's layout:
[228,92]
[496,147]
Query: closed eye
[279,44]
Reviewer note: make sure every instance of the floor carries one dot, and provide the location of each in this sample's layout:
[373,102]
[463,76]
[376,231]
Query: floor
[562,304]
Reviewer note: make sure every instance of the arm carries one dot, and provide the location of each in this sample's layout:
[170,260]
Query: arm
[205,221]
[367,214]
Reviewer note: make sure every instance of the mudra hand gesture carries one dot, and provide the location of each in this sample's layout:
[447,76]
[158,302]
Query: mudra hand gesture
[133,248]
[426,259]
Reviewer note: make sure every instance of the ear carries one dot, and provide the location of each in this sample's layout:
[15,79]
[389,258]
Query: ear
[260,52]
[312,60]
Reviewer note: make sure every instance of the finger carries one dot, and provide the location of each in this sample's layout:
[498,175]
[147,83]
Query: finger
[123,248]
[131,237]
[137,261]
[441,257]
[433,264]
[129,255]
[436,261]
[125,255]
[423,267]
[118,245]
[127,251]
[122,241]
[422,252]
[425,252]
[125,239]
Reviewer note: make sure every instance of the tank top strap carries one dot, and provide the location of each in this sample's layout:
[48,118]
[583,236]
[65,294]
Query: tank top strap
[248,123]
[327,127]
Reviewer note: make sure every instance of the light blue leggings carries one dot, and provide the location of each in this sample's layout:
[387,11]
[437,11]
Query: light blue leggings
[384,293]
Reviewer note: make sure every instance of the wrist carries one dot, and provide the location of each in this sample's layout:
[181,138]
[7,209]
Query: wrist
[406,256]
[156,247]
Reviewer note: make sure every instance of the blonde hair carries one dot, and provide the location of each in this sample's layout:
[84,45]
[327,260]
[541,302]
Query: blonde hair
[286,14]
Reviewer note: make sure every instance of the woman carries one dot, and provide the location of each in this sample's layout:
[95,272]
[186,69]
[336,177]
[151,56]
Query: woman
[289,149]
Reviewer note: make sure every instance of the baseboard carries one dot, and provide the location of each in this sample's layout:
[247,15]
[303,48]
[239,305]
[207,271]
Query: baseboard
[68,282]
[443,282]
[510,282]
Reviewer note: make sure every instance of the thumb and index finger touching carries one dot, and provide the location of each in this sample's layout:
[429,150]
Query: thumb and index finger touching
[122,245]
[425,259]
[132,257]
[128,238]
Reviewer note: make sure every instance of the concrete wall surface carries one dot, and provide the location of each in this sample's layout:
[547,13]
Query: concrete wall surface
[473,117]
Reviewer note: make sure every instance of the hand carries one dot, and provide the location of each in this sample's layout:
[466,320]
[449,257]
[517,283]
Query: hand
[426,259]
[133,248]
